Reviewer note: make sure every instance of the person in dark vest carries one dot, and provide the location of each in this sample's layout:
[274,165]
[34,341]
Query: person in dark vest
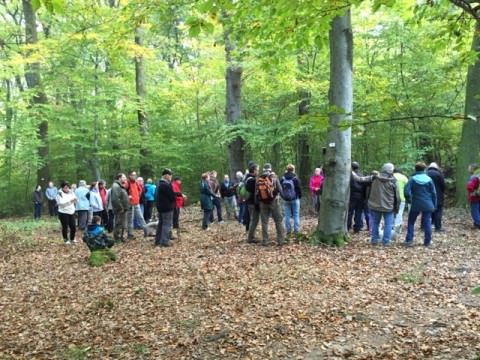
[435,173]
[165,202]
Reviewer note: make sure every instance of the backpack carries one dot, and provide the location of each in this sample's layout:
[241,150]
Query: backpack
[242,191]
[264,188]
[288,189]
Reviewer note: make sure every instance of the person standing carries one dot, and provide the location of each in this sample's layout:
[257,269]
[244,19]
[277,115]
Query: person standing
[357,200]
[420,193]
[120,204]
[267,190]
[96,202]
[227,192]
[103,195]
[82,205]
[150,188]
[291,194]
[37,199]
[66,201]
[165,201]
[252,204]
[401,182]
[240,201]
[179,200]
[206,203]
[315,186]
[51,194]
[134,190]
[473,193]
[215,187]
[436,174]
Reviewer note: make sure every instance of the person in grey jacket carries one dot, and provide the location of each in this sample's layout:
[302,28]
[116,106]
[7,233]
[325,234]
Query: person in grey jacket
[51,194]
[383,202]
[120,205]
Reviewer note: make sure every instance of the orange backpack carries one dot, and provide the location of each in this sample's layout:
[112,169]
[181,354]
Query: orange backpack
[265,188]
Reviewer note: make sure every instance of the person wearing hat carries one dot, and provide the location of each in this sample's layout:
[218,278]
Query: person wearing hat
[435,173]
[267,190]
[66,201]
[383,202]
[420,193]
[165,202]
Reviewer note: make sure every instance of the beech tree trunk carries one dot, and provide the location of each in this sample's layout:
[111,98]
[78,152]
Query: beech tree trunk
[145,166]
[303,147]
[469,147]
[332,228]
[233,84]
[32,76]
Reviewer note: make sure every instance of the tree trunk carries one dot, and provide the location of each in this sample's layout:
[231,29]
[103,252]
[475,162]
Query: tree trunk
[233,84]
[332,227]
[95,163]
[8,129]
[145,167]
[303,147]
[32,76]
[469,147]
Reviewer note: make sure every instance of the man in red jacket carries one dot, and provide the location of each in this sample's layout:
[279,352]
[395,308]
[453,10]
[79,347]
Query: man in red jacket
[134,190]
[473,193]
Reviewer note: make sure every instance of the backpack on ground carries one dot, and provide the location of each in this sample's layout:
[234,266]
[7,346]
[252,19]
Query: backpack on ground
[264,187]
[288,189]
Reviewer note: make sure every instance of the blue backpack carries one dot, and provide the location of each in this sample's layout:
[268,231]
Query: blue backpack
[288,189]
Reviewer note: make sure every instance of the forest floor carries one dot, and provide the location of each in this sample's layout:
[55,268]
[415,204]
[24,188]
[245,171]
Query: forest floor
[213,296]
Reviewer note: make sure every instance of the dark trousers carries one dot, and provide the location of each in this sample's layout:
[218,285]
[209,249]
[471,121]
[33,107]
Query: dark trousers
[355,210]
[37,211]
[110,221]
[218,204]
[246,218]
[67,221]
[52,207]
[206,218]
[147,211]
[176,218]
[437,217]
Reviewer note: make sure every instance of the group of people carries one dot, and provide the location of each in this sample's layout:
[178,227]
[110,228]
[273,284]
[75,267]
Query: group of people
[258,195]
[384,195]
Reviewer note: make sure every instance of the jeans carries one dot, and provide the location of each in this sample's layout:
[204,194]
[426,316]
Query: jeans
[241,211]
[37,211]
[164,227]
[426,226]
[355,210]
[217,204]
[254,212]
[67,221]
[134,212]
[292,210]
[437,217]
[475,212]
[52,207]
[231,207]
[399,216]
[267,209]
[82,219]
[206,218]
[387,229]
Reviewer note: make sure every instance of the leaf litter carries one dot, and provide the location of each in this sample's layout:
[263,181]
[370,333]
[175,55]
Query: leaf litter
[211,295]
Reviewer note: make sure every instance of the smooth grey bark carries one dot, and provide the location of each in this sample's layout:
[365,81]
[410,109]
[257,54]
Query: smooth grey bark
[32,76]
[469,147]
[332,227]
[145,166]
[95,162]
[233,87]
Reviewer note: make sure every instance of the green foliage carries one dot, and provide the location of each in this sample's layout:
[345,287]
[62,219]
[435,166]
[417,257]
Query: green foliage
[76,353]
[100,257]
[476,291]
[336,240]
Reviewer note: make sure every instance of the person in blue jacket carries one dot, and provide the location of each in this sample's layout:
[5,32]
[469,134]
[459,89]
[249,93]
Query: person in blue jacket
[420,193]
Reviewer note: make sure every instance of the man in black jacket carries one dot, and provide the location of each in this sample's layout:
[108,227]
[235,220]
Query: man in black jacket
[253,208]
[436,175]
[357,200]
[165,202]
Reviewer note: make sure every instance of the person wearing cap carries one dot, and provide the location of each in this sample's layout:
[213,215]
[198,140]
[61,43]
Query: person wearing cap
[118,198]
[436,174]
[165,202]
[66,201]
[270,206]
[420,193]
[383,202]
[83,205]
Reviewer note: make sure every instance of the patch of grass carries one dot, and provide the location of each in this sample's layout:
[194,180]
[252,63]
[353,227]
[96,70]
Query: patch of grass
[476,291]
[414,276]
[101,257]
[140,349]
[104,303]
[76,353]
[22,231]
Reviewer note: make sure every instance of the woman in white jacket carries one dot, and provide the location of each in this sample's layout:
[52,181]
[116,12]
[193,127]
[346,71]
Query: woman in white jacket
[66,201]
[96,203]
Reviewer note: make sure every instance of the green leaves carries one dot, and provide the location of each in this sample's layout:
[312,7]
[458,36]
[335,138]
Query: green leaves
[53,6]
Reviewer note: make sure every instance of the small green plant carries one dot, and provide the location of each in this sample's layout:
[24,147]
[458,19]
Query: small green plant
[476,291]
[77,353]
[140,349]
[104,303]
[414,276]
[101,257]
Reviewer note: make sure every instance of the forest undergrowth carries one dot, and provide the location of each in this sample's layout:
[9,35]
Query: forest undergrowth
[213,296]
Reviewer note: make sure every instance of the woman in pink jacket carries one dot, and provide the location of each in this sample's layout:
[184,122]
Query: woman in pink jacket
[315,185]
